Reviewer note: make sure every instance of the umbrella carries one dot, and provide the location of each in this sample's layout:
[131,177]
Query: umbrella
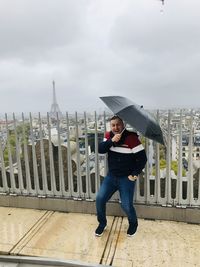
[136,116]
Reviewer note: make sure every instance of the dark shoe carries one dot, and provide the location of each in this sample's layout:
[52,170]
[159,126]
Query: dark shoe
[100,229]
[132,229]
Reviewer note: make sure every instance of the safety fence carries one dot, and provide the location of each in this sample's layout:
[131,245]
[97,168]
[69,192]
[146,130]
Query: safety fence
[48,156]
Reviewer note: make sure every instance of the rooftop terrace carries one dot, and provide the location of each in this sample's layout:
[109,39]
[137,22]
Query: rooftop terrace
[70,237]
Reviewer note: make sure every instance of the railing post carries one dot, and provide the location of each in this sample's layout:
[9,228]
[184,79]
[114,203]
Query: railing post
[190,167]
[26,159]
[87,166]
[157,165]
[5,188]
[198,201]
[35,167]
[12,178]
[147,180]
[105,156]
[69,159]
[78,165]
[51,159]
[43,164]
[60,158]
[19,167]
[97,178]
[180,169]
[168,167]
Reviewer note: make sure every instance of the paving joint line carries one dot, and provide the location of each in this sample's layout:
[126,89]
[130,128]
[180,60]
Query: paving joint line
[42,220]
[115,248]
[107,241]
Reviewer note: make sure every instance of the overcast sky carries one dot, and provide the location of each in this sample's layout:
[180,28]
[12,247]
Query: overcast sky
[139,49]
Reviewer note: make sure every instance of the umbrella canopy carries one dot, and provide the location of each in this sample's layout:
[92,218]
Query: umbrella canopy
[136,116]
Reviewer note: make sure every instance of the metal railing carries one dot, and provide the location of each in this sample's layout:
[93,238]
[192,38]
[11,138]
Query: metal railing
[58,157]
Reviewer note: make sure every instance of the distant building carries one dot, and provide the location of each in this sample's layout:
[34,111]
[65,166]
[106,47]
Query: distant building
[195,147]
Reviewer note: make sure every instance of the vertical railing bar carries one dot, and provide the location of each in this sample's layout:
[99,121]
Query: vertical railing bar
[137,197]
[97,178]
[35,168]
[190,167]
[87,171]
[152,197]
[157,176]
[26,160]
[69,159]
[43,164]
[105,156]
[19,167]
[137,192]
[147,180]
[12,178]
[179,176]
[51,160]
[78,165]
[198,201]
[5,188]
[168,167]
[60,158]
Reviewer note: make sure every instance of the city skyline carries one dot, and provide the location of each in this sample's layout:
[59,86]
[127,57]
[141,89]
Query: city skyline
[143,50]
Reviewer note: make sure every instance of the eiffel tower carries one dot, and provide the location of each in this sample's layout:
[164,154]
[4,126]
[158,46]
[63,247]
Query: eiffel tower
[54,107]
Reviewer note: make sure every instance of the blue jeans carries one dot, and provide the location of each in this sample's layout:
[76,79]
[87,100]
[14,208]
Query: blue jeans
[108,187]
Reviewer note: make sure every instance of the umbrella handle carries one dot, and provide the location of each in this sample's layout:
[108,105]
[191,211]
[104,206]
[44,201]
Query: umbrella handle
[123,130]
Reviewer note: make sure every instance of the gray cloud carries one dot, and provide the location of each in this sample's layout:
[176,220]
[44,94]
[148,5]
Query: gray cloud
[139,49]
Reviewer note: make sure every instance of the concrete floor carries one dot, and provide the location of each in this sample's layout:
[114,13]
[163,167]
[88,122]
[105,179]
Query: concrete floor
[70,236]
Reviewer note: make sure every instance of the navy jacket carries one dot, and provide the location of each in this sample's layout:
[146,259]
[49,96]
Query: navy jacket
[125,157]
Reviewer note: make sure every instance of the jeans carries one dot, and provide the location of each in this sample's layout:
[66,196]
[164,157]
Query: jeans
[108,187]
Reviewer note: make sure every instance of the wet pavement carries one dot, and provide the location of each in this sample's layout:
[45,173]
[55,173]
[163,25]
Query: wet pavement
[70,236]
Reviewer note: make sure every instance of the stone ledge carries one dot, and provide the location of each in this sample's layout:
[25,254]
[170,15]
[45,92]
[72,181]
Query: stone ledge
[189,214]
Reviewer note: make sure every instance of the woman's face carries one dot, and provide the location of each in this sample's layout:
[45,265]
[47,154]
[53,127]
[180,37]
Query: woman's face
[116,126]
